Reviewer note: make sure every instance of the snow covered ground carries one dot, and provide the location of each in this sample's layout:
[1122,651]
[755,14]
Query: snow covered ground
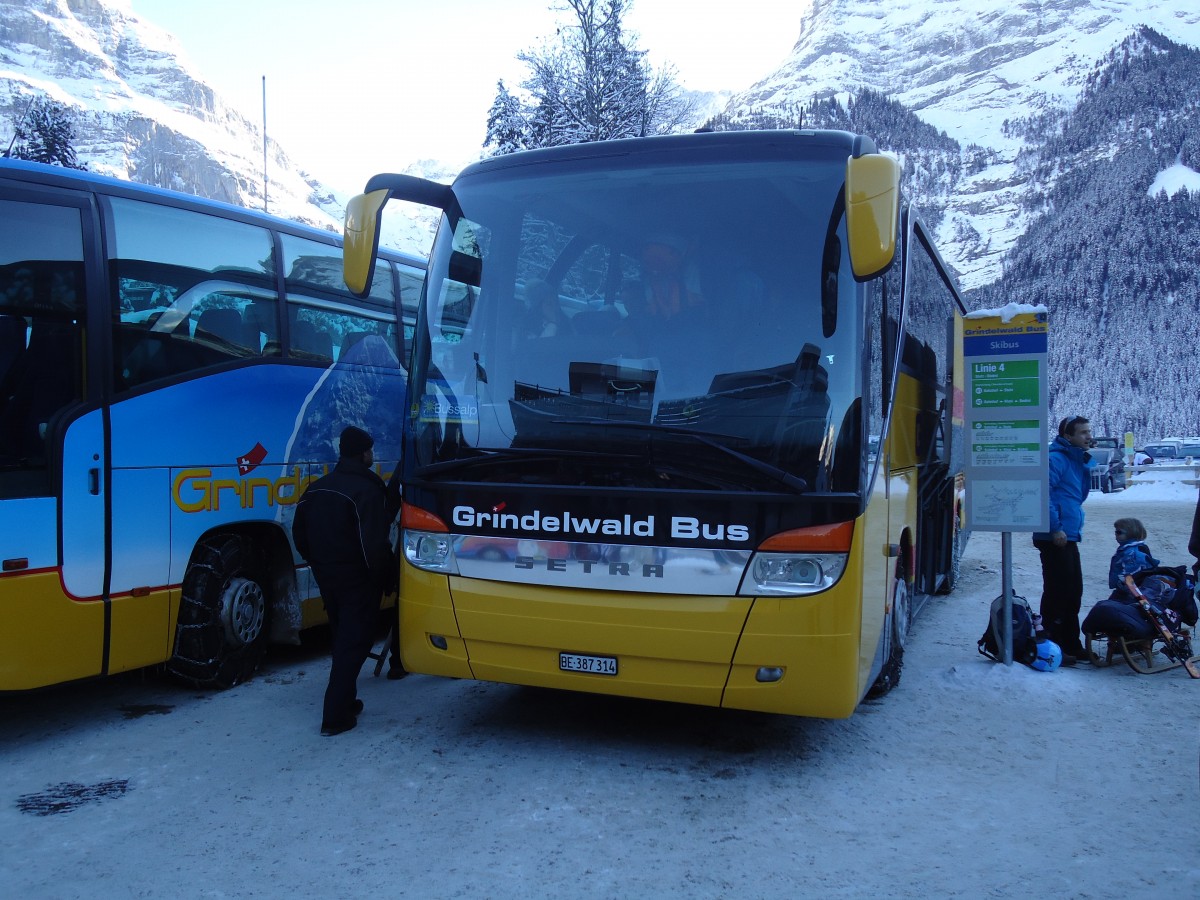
[970,780]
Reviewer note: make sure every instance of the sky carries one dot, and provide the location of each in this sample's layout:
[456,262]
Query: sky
[406,80]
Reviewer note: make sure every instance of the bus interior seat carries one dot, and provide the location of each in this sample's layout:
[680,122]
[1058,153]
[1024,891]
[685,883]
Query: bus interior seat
[261,332]
[224,324]
[596,321]
[163,348]
[309,341]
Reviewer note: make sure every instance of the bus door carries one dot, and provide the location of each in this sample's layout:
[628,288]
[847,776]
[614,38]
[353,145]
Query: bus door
[53,525]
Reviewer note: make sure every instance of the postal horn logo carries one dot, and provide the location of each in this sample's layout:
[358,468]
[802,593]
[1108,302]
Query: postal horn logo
[248,462]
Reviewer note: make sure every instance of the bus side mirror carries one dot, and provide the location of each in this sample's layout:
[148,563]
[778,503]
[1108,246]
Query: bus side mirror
[872,213]
[361,240]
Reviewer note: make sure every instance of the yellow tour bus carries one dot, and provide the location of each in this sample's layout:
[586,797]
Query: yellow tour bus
[173,373]
[684,420]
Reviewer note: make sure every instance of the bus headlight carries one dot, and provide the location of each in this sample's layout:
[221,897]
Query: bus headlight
[431,551]
[792,574]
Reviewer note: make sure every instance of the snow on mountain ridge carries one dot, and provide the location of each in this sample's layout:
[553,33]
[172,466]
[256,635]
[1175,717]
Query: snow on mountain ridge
[969,68]
[1174,180]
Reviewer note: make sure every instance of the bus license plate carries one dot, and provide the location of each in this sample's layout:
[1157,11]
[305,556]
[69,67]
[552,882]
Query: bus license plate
[595,665]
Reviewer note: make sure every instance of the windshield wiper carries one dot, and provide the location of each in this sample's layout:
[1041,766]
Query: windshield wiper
[702,437]
[521,454]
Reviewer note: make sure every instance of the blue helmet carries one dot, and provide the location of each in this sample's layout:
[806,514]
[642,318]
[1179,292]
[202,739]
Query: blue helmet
[1049,656]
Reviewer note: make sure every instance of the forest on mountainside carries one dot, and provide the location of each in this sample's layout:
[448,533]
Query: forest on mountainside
[1117,267]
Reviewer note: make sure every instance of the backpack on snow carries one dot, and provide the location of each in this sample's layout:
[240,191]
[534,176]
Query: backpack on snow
[1025,625]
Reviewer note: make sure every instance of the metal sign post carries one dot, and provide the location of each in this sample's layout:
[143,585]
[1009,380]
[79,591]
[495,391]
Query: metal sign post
[1004,353]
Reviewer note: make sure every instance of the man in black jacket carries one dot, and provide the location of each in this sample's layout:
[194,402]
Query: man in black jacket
[1194,540]
[341,529]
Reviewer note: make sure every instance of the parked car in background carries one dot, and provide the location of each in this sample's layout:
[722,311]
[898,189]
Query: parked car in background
[1174,449]
[1163,450]
[1108,474]
[1110,443]
[1189,450]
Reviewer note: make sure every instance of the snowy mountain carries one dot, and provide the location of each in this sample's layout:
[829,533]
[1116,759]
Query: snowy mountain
[1055,148]
[142,113]
[1053,144]
[970,68]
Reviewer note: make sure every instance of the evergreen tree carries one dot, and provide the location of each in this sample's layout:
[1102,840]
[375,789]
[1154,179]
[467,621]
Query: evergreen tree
[507,129]
[592,84]
[46,134]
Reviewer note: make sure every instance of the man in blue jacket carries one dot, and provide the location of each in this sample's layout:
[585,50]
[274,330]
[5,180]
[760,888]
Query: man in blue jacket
[1062,575]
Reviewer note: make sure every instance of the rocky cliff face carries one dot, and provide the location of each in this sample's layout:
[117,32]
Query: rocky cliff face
[143,114]
[970,68]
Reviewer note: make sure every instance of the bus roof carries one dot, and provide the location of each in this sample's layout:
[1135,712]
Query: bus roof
[78,179]
[769,143]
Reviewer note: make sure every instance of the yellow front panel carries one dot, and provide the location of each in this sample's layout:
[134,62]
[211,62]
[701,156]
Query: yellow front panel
[820,676]
[668,647]
[46,637]
[141,633]
[426,613]
[815,640]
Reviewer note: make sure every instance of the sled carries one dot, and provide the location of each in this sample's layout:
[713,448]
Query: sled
[1143,655]
[380,656]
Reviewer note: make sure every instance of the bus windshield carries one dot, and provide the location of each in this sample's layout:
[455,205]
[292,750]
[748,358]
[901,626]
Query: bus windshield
[672,325]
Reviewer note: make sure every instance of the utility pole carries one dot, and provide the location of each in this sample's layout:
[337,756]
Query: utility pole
[264,92]
[17,126]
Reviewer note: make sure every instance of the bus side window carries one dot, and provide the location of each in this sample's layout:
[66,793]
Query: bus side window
[208,324]
[327,335]
[928,327]
[49,381]
[42,311]
[323,325]
[185,281]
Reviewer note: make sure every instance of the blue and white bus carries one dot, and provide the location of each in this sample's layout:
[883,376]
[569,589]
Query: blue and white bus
[173,372]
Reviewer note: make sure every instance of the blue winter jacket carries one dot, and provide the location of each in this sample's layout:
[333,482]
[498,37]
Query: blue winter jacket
[1070,481]
[1131,556]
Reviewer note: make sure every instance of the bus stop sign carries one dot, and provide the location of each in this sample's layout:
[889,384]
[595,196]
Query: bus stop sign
[1004,352]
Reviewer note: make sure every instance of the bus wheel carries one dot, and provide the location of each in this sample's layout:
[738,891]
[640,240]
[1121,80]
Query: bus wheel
[222,634]
[889,675]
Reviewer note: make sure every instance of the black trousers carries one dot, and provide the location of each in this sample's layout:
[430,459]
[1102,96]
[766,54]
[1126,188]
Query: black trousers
[1062,594]
[353,610]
